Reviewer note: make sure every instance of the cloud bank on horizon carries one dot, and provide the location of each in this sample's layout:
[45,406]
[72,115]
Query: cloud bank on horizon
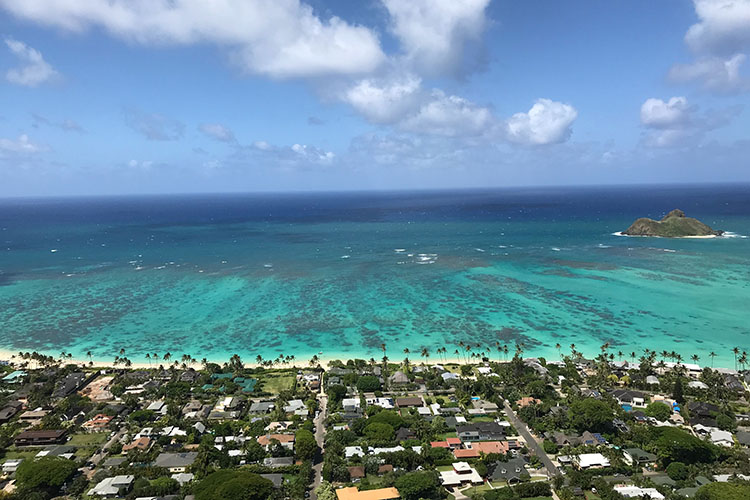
[243,95]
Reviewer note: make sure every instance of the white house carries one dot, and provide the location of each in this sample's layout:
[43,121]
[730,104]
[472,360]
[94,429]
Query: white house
[110,486]
[591,460]
[637,492]
[462,473]
[722,438]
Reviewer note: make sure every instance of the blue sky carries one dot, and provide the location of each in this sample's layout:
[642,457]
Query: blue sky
[157,96]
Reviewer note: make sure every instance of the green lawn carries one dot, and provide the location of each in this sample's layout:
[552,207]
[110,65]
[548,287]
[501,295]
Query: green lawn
[26,454]
[94,439]
[275,383]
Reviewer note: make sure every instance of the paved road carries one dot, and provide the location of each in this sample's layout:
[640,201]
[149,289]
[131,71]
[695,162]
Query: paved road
[319,438]
[97,457]
[531,443]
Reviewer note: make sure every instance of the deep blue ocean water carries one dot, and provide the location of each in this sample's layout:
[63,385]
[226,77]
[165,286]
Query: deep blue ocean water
[343,273]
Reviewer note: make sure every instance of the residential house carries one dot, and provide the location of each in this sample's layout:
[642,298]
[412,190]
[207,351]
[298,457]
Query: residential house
[142,443]
[275,462]
[398,378]
[590,461]
[410,402]
[528,401]
[112,486]
[480,431]
[638,456]
[626,397]
[512,471]
[461,474]
[631,491]
[356,472]
[40,438]
[286,440]
[351,493]
[261,408]
[99,422]
[176,462]
[10,410]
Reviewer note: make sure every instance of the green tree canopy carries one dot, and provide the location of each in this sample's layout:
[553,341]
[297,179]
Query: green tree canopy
[723,491]
[675,445]
[659,411]
[590,415]
[368,383]
[45,475]
[417,485]
[229,484]
[305,445]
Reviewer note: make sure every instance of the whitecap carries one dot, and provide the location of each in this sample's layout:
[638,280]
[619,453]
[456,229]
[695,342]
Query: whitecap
[669,250]
[555,249]
[399,250]
[345,256]
[480,250]
[53,250]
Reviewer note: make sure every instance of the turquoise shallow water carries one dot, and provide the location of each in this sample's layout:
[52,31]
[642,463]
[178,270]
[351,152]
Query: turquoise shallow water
[341,274]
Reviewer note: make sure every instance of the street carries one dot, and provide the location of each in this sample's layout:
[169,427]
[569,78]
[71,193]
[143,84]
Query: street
[531,443]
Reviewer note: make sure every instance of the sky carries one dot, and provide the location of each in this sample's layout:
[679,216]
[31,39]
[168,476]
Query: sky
[174,96]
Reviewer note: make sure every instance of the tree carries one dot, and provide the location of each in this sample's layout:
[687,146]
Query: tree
[368,383]
[659,411]
[325,491]
[677,392]
[227,484]
[44,476]
[336,393]
[723,491]
[305,445]
[675,445]
[379,432]
[677,471]
[590,415]
[417,485]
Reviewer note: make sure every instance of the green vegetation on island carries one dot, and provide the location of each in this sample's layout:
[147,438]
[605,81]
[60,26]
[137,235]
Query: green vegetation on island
[673,225]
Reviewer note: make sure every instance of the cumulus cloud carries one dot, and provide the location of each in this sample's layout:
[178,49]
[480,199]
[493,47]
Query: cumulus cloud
[271,37]
[437,36]
[21,145]
[723,27]
[713,73]
[675,123]
[656,113]
[34,70]
[449,115]
[286,156]
[217,131]
[403,102]
[154,126]
[547,122]
[385,101]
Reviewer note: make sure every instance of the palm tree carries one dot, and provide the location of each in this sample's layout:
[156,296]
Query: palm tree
[505,351]
[425,353]
[148,357]
[619,355]
[88,354]
[167,356]
[695,358]
[406,351]
[259,359]
[559,350]
[573,350]
[712,355]
[735,351]
[122,351]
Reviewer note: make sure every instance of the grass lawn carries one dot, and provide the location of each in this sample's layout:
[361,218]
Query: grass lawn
[26,454]
[94,439]
[275,383]
[482,419]
[592,496]
[475,489]
[444,436]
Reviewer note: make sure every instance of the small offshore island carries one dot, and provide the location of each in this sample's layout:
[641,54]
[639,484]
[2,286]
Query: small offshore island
[673,225]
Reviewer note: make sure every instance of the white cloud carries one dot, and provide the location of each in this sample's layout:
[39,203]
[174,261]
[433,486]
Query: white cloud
[313,154]
[723,27]
[385,101]
[713,73]
[34,70]
[436,35]
[142,164]
[449,115]
[675,123]
[217,131]
[656,113]
[20,145]
[547,122]
[279,38]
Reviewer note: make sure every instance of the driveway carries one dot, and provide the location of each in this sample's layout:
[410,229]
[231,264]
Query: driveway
[531,443]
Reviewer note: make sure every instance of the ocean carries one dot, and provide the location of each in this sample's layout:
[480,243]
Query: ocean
[339,274]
